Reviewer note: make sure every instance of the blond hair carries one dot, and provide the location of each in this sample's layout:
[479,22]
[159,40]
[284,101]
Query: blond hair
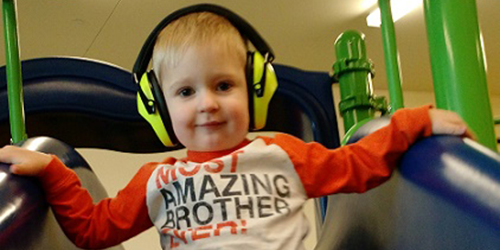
[196,29]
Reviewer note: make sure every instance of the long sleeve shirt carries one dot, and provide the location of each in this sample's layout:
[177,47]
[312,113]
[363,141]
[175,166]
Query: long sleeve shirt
[248,197]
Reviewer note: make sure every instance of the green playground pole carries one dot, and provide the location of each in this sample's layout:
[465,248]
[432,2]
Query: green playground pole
[354,71]
[391,56]
[14,78]
[458,64]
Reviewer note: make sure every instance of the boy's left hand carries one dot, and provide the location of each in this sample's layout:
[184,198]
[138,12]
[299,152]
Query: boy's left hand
[448,122]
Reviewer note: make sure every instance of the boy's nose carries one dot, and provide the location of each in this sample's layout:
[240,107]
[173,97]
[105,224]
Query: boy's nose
[208,103]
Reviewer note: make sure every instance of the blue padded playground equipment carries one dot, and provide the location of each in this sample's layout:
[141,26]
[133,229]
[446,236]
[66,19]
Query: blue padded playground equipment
[87,103]
[64,95]
[25,220]
[445,196]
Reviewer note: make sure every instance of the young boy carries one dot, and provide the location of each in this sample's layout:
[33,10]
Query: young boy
[229,192]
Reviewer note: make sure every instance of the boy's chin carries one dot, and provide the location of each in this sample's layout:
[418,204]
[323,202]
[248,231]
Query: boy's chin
[212,146]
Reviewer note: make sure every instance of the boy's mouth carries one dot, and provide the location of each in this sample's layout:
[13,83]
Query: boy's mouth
[211,124]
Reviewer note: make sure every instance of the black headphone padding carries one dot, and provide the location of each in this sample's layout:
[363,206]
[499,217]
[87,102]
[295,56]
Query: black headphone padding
[161,105]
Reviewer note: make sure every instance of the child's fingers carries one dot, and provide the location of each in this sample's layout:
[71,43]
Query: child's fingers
[6,154]
[28,170]
[23,161]
[451,129]
[448,122]
[454,118]
[464,130]
[470,134]
[15,169]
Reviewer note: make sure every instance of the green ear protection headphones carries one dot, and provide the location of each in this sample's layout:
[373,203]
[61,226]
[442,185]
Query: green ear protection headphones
[261,79]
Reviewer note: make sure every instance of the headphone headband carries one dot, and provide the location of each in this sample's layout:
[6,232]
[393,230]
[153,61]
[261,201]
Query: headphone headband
[142,62]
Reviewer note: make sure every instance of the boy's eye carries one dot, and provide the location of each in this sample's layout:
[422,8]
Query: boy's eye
[224,86]
[185,92]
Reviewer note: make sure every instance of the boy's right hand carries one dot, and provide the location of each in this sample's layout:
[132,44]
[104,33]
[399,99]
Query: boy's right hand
[449,123]
[24,161]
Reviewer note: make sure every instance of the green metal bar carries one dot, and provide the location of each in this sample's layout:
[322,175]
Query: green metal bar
[349,133]
[391,56]
[353,71]
[13,66]
[458,64]
[497,121]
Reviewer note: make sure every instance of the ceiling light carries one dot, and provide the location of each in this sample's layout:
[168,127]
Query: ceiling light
[399,8]
[368,4]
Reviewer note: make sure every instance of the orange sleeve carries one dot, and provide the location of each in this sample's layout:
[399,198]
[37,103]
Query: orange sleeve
[101,225]
[359,166]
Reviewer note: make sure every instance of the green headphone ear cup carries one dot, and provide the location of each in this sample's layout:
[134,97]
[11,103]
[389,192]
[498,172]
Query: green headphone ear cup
[263,86]
[159,119]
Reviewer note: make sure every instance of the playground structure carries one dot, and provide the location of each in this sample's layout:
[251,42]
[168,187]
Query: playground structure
[449,200]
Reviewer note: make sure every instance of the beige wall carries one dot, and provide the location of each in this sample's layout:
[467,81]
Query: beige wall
[115,169]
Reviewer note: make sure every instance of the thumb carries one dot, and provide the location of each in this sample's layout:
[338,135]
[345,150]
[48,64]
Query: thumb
[470,134]
[15,169]
[26,169]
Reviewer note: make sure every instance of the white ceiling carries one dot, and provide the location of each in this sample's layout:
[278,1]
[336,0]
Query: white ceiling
[302,33]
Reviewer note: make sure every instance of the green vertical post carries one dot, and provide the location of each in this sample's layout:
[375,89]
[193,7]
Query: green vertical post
[391,56]
[13,66]
[458,64]
[354,72]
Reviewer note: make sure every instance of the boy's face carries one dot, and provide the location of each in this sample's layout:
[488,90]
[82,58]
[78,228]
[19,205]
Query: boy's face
[207,99]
